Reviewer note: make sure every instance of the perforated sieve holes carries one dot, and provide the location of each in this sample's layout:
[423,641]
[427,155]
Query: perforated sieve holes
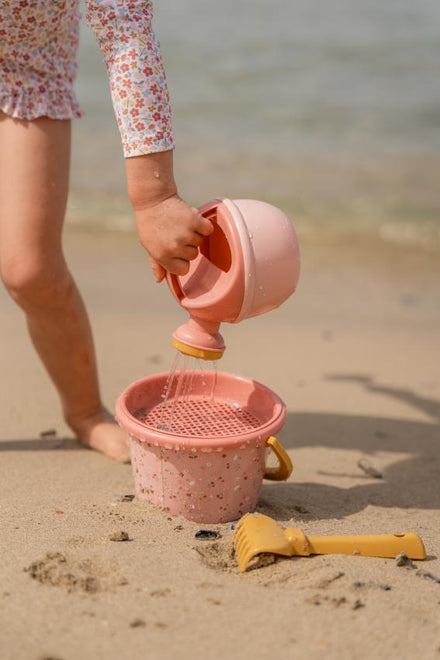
[199,417]
[187,375]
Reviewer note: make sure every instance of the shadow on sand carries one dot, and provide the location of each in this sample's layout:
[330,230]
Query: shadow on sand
[412,482]
[42,444]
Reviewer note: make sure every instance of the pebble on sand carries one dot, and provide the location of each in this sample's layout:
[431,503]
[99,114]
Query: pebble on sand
[119,536]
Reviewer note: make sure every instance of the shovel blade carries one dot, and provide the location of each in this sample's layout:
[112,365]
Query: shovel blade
[256,534]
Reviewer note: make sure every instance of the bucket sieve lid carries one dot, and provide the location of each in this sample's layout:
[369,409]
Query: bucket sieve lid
[215,411]
[199,417]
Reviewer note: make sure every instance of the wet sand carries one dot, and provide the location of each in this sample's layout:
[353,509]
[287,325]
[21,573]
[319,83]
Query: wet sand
[354,354]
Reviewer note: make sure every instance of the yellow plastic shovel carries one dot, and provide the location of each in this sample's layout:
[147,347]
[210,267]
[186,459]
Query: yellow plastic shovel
[256,534]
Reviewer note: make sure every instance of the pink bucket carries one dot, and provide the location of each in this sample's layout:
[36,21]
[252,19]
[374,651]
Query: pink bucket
[207,461]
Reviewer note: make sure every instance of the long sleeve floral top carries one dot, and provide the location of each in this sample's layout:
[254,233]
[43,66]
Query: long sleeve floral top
[38,43]
[137,77]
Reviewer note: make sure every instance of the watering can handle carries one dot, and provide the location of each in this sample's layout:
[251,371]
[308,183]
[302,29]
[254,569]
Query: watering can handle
[208,210]
[285,467]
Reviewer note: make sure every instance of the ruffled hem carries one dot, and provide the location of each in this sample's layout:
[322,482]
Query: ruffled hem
[30,104]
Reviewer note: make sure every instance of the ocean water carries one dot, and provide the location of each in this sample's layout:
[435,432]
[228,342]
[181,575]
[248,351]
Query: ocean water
[328,108]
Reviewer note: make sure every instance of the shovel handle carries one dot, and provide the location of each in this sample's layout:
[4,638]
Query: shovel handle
[285,467]
[379,545]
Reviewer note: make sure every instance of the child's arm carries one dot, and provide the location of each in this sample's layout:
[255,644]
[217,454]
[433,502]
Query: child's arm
[168,228]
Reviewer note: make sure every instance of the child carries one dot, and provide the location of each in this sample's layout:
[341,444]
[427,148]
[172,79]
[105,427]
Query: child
[38,42]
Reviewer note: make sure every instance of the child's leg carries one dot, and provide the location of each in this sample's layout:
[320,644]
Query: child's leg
[34,173]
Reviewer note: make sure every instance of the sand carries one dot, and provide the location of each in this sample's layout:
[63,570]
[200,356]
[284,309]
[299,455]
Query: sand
[87,571]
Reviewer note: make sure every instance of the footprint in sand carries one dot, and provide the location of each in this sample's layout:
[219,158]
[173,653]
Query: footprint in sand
[73,574]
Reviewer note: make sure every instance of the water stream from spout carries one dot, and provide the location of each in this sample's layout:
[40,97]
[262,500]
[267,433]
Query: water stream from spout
[187,375]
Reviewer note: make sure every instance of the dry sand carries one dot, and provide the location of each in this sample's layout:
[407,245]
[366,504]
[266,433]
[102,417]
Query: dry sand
[355,356]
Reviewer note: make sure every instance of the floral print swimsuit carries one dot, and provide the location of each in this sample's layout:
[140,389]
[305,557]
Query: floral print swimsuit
[38,43]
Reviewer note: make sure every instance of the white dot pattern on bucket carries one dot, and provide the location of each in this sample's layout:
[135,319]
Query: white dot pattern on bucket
[185,483]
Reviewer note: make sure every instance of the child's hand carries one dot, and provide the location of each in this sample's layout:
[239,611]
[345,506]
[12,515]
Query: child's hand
[169,229]
[171,232]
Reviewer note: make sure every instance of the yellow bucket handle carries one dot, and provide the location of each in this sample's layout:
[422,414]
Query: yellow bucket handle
[285,467]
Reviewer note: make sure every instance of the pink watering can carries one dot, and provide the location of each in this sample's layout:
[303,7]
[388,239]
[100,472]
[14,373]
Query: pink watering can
[249,265]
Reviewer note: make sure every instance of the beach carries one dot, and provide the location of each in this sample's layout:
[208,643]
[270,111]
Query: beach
[331,114]
[354,355]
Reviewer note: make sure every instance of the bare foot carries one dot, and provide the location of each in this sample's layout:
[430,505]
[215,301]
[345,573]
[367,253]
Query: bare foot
[101,432]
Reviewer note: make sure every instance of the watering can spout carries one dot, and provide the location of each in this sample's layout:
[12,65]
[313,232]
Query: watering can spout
[199,338]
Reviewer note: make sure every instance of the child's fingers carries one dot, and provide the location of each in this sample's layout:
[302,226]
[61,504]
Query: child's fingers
[202,226]
[187,252]
[195,239]
[177,266]
[159,271]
